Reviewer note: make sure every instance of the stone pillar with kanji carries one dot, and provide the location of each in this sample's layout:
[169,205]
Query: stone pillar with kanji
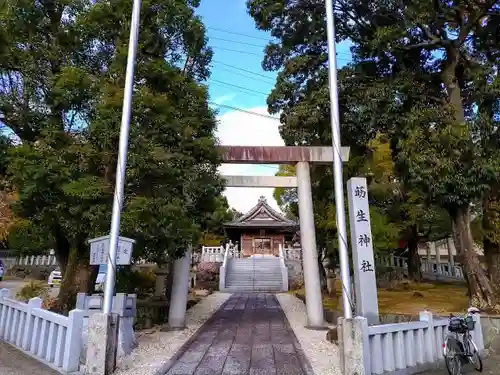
[365,282]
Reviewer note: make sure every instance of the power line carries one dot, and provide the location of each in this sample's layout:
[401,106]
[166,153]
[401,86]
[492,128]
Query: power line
[247,93]
[253,37]
[242,69]
[244,111]
[239,87]
[236,33]
[249,76]
[269,82]
[260,45]
[237,42]
[239,51]
[255,54]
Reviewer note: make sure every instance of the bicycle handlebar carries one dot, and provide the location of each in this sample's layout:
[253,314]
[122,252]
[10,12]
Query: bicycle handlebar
[470,311]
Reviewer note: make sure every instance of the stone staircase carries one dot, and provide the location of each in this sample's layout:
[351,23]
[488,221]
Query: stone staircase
[255,274]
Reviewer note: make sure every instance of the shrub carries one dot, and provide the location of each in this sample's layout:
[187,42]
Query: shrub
[207,275]
[297,283]
[140,282]
[50,303]
[208,271]
[33,289]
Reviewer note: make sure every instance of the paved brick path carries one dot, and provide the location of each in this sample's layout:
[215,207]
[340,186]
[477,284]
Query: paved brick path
[14,362]
[248,335]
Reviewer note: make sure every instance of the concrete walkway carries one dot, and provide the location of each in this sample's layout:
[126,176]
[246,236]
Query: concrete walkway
[248,335]
[15,362]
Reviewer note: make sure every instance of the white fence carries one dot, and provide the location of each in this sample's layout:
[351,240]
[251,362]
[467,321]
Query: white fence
[292,254]
[38,260]
[428,267]
[412,346]
[48,337]
[212,254]
[216,253]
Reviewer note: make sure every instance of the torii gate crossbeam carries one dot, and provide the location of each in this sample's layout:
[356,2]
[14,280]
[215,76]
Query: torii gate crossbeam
[301,156]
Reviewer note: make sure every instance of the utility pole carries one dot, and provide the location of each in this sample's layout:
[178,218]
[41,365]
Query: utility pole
[337,161]
[122,160]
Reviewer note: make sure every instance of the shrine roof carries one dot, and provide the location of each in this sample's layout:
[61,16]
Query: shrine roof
[262,216]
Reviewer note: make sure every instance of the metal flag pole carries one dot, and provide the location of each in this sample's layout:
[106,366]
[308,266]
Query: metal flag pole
[122,160]
[337,162]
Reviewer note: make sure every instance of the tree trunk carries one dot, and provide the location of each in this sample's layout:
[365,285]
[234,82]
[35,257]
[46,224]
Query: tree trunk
[77,278]
[414,265]
[322,276]
[93,271]
[491,221]
[492,256]
[170,279]
[481,291]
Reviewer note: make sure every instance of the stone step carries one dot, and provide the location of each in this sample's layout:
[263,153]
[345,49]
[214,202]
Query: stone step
[253,276]
[255,260]
[253,272]
[266,271]
[252,289]
[273,285]
[255,267]
[246,281]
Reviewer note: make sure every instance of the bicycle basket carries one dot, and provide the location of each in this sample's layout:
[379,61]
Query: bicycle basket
[470,323]
[457,325]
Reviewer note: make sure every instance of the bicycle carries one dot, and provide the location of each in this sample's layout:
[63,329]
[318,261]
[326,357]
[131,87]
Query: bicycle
[459,348]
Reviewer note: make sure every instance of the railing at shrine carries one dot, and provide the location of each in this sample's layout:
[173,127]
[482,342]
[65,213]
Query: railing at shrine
[429,268]
[292,254]
[212,254]
[410,347]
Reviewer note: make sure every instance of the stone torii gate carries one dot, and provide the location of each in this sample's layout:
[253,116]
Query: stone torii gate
[301,157]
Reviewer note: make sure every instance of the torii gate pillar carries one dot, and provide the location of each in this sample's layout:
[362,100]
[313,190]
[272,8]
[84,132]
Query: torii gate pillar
[301,157]
[310,265]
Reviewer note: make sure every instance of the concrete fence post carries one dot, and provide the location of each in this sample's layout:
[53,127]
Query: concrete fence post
[354,346]
[429,336]
[71,359]
[477,334]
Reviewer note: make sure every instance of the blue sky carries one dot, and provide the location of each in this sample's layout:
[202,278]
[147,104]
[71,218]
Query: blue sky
[238,81]
[233,30]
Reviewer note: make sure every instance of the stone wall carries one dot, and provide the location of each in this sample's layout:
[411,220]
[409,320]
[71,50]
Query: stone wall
[491,332]
[295,274]
[33,272]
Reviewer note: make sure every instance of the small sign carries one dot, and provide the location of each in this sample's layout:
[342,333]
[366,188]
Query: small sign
[365,282]
[99,250]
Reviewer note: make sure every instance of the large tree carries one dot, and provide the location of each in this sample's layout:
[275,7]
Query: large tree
[62,72]
[420,73]
[435,47]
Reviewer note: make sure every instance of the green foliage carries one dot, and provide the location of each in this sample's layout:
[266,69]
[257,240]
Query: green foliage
[139,282]
[29,239]
[63,98]
[33,289]
[424,75]
[286,198]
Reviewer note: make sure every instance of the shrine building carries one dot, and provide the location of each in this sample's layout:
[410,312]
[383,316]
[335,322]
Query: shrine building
[262,230]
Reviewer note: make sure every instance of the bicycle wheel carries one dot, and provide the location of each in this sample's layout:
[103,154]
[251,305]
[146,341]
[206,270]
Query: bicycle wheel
[474,356]
[452,357]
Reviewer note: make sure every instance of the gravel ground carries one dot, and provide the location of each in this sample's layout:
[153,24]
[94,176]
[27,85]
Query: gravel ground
[323,356]
[157,348]
[15,362]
